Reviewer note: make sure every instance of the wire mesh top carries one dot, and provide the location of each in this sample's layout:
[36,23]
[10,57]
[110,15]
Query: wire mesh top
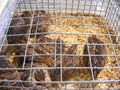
[55,44]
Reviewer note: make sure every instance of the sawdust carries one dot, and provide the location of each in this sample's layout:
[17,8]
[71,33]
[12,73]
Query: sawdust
[75,29]
[79,27]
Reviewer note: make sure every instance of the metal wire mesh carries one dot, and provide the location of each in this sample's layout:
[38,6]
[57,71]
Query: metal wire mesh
[38,53]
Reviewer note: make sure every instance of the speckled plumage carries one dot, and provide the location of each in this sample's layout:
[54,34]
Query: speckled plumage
[96,61]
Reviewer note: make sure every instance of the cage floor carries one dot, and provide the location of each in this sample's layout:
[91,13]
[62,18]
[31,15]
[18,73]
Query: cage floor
[73,29]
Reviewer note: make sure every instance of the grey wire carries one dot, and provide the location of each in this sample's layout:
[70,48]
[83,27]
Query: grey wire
[24,61]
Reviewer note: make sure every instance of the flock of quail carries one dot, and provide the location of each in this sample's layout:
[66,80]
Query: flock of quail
[29,55]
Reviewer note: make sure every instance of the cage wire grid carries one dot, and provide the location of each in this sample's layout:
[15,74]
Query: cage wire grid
[32,57]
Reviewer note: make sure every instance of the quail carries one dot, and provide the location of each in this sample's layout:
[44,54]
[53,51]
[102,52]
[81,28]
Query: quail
[44,22]
[37,49]
[95,47]
[67,61]
[8,72]
[39,75]
[17,32]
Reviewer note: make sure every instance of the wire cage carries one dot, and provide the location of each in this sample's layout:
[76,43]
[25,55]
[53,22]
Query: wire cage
[61,44]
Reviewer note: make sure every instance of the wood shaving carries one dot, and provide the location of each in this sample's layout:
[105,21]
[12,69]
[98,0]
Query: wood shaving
[85,24]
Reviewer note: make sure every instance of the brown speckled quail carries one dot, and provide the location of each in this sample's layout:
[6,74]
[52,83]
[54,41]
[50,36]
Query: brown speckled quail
[27,17]
[67,61]
[16,29]
[42,20]
[96,61]
[7,73]
[39,75]
[40,49]
[45,23]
